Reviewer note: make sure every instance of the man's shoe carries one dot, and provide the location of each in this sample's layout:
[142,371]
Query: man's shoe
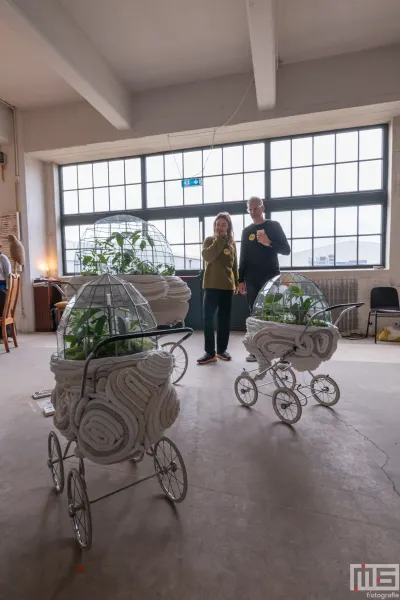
[251,358]
[224,355]
[207,358]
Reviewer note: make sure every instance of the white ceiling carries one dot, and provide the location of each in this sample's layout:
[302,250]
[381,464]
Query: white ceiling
[155,43]
[25,78]
[309,29]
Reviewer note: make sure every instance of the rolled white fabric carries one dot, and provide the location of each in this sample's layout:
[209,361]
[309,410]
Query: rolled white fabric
[128,404]
[157,367]
[77,282]
[177,288]
[269,340]
[106,433]
[168,311]
[152,287]
[161,412]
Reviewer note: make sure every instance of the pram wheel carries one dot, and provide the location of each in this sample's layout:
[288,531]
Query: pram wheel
[181,360]
[79,509]
[286,405]
[246,390]
[55,462]
[325,390]
[170,469]
[284,377]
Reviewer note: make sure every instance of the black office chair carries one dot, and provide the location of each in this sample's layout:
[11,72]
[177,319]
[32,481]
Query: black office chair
[384,303]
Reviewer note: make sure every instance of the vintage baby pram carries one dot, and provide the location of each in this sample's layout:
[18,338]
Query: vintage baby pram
[113,397]
[291,330]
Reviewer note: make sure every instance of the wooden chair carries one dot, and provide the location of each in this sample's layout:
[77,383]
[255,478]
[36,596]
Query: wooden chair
[8,316]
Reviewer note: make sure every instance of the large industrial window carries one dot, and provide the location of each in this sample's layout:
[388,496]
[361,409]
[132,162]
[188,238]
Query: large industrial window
[328,191]
[229,174]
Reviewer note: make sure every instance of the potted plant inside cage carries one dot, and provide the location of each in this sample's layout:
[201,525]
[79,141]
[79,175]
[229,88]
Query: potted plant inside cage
[137,252]
[128,397]
[283,320]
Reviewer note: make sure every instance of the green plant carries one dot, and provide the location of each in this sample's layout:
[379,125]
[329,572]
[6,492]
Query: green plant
[120,253]
[292,307]
[87,327]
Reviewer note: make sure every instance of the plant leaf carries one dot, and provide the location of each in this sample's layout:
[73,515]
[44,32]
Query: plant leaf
[121,325]
[119,239]
[135,237]
[98,328]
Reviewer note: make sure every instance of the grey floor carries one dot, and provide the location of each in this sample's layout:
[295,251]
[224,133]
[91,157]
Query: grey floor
[272,512]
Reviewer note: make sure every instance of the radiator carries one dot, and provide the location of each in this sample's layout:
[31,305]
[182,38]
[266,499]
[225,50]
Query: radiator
[341,291]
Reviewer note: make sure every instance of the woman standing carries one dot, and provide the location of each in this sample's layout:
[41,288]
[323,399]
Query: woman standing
[221,281]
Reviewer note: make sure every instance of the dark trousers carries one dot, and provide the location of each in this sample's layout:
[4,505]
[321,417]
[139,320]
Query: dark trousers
[220,302]
[253,286]
[252,289]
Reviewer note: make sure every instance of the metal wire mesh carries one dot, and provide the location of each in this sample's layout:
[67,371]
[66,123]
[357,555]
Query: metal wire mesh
[291,298]
[104,307]
[124,245]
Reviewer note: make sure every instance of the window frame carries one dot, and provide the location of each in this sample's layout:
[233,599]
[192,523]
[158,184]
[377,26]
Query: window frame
[292,203]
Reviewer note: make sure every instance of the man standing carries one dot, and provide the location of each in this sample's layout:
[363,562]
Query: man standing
[261,243]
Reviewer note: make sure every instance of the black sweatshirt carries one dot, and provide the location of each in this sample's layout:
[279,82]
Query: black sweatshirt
[259,263]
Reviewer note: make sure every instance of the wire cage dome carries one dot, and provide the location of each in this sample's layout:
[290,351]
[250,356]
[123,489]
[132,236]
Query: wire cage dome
[102,308]
[124,245]
[291,298]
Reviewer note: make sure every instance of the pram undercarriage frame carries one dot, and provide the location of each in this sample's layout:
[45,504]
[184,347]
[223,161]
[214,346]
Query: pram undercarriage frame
[289,398]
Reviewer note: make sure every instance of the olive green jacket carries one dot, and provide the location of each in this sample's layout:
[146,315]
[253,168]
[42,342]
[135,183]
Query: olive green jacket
[221,271]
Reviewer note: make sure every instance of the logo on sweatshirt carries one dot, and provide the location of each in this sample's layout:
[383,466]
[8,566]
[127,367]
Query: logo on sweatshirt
[227,251]
[252,237]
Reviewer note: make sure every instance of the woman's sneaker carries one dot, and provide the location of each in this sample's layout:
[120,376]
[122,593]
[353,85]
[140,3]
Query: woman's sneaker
[224,355]
[207,358]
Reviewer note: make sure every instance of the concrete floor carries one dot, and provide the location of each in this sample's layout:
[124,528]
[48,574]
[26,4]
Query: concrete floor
[272,512]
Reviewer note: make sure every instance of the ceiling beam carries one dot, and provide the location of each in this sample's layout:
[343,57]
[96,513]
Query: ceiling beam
[260,16]
[71,55]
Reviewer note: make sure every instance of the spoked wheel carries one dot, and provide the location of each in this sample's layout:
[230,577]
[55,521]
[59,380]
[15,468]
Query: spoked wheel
[284,377]
[55,462]
[286,405]
[246,390]
[82,470]
[181,360]
[170,470]
[325,390]
[79,509]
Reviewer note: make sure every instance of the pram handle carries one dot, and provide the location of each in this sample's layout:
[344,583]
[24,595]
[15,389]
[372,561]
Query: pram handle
[129,336]
[347,307]
[59,288]
[143,334]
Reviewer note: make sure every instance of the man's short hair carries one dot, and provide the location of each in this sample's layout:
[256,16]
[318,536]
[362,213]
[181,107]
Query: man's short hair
[255,199]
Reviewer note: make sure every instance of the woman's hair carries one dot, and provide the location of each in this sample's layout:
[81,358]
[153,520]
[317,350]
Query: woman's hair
[230,236]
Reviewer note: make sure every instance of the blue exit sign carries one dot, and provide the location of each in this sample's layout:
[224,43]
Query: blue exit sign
[192,182]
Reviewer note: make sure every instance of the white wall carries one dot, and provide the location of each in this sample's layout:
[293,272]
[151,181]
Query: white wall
[37,215]
[34,233]
[5,124]
[352,80]
[8,202]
